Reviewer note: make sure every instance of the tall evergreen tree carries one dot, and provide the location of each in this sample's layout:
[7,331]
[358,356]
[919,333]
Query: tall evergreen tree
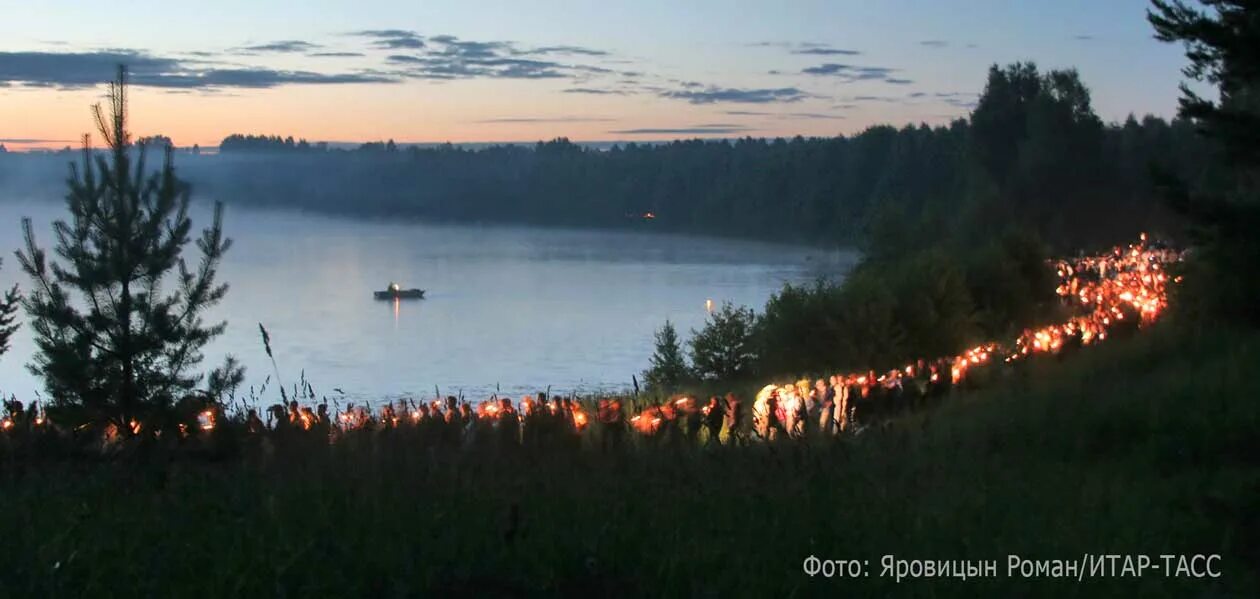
[999,123]
[1222,46]
[118,319]
[668,369]
[8,315]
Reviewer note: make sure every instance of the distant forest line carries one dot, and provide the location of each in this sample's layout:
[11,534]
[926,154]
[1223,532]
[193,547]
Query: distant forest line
[1032,155]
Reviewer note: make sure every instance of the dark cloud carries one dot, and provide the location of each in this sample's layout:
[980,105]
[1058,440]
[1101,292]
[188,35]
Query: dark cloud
[961,103]
[785,115]
[86,69]
[26,140]
[385,33]
[399,43]
[404,59]
[51,69]
[452,46]
[572,50]
[456,67]
[826,52]
[787,45]
[455,47]
[888,99]
[807,48]
[934,43]
[257,78]
[445,57]
[392,39]
[284,46]
[713,95]
[586,68]
[563,119]
[849,72]
[813,116]
[596,92]
[966,100]
[916,95]
[335,54]
[896,81]
[1083,37]
[957,99]
[718,129]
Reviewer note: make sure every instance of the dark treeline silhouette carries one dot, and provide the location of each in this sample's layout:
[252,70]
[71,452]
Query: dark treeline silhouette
[818,190]
[1032,153]
[267,143]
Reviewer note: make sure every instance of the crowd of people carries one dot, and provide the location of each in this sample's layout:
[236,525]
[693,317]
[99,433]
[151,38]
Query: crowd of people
[1124,288]
[1121,289]
[540,422]
[536,421]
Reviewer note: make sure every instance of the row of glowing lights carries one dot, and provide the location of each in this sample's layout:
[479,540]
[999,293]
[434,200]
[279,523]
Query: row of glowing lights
[205,420]
[1134,276]
[360,417]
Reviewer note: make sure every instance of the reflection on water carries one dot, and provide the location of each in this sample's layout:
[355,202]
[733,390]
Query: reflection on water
[524,308]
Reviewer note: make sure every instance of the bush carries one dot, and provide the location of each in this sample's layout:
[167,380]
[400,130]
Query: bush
[924,304]
[1011,283]
[723,350]
[800,328]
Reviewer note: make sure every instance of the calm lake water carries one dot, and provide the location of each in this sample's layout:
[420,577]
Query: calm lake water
[519,308]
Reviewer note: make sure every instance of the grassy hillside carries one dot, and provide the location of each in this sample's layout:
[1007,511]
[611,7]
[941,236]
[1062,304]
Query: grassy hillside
[1149,445]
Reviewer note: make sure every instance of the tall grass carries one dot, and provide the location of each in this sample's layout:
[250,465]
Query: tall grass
[1141,446]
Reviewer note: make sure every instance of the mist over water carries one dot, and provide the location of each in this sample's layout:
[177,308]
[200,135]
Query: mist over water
[523,308]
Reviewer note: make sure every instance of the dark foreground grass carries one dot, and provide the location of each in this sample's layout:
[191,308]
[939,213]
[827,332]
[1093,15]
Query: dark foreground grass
[1148,446]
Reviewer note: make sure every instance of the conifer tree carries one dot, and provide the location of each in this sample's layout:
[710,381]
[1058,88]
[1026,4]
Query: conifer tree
[668,369]
[8,314]
[117,315]
[1221,45]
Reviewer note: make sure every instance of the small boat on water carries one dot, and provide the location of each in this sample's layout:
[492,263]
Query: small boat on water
[396,292]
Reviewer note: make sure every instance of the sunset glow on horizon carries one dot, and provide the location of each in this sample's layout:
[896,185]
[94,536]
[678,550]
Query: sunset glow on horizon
[499,72]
